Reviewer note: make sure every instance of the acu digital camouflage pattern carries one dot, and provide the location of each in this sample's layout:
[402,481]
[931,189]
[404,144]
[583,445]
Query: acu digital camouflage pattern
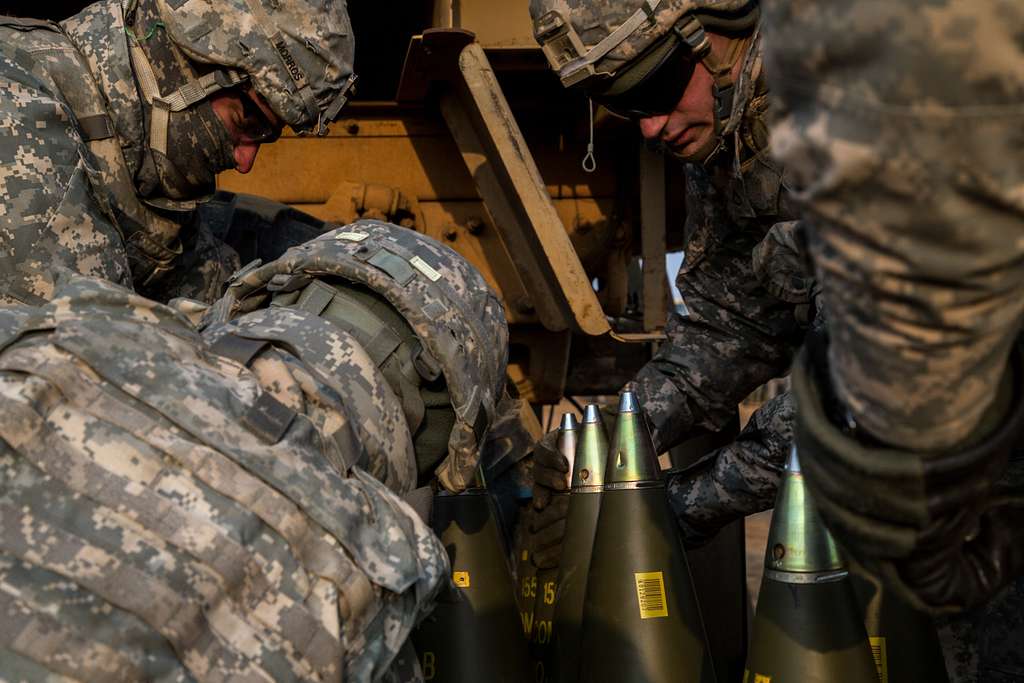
[70,202]
[749,301]
[313,368]
[51,215]
[299,53]
[902,123]
[150,531]
[737,480]
[74,189]
[446,302]
[594,20]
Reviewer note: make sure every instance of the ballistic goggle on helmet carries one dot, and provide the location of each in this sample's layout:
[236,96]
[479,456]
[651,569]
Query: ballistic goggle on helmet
[635,57]
[297,54]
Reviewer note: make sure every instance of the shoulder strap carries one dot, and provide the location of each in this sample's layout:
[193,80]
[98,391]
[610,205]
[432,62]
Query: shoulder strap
[150,238]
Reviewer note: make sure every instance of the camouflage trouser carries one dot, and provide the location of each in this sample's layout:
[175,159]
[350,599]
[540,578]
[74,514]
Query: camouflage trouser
[903,124]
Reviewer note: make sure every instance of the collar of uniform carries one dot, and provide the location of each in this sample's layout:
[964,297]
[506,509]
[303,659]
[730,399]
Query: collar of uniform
[746,83]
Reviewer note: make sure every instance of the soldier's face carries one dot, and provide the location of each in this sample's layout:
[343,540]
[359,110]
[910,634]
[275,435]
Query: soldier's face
[249,122]
[688,131]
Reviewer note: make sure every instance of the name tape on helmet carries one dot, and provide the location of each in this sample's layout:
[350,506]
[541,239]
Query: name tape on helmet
[293,68]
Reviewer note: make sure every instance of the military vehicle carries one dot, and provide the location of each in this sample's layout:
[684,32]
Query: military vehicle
[459,130]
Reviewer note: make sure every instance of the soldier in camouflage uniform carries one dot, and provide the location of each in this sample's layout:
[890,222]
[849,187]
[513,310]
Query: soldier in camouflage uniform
[903,124]
[701,95]
[223,500]
[116,121]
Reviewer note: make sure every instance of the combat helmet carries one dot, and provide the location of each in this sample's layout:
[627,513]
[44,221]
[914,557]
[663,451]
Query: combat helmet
[616,50]
[457,320]
[296,54]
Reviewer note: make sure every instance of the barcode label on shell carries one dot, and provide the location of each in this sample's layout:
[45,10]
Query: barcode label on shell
[650,594]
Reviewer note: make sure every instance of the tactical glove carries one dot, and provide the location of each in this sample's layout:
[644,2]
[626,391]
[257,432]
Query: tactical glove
[942,529]
[550,502]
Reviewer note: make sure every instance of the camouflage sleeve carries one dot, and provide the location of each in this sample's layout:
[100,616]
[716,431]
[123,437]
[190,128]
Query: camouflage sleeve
[902,125]
[735,335]
[740,479]
[202,270]
[49,215]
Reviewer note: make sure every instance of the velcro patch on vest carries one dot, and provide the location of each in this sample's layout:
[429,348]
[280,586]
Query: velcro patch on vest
[96,127]
[351,236]
[238,349]
[394,265]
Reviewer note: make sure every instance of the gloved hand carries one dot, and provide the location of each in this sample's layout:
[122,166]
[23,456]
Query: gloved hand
[550,502]
[960,575]
[551,474]
[943,529]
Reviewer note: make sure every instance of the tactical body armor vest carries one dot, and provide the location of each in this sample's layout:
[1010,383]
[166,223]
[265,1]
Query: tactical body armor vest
[176,506]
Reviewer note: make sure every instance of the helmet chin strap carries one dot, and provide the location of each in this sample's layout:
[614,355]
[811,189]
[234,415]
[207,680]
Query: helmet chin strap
[188,95]
[692,32]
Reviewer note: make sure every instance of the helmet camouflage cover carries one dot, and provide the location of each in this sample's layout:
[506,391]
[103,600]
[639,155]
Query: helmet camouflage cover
[456,315]
[297,53]
[593,40]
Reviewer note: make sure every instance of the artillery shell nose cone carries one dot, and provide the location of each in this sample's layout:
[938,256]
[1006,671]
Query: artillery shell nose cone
[628,403]
[793,462]
[568,423]
[592,450]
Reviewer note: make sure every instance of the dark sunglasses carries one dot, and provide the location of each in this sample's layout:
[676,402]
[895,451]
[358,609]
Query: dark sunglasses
[255,127]
[658,92]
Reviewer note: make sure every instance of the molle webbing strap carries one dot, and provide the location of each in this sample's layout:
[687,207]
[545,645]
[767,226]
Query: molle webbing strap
[218,472]
[96,127]
[180,618]
[35,635]
[243,573]
[381,342]
[238,349]
[470,408]
[272,420]
[399,268]
[268,418]
[377,339]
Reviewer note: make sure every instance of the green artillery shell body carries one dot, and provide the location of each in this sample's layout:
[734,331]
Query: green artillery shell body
[473,633]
